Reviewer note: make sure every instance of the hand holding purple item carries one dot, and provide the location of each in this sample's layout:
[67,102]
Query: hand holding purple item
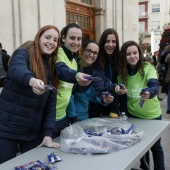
[142,101]
[93,78]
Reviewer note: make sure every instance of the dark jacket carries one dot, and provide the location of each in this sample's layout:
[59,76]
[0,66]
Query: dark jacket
[79,102]
[99,86]
[167,61]
[23,114]
[5,59]
[62,71]
[110,70]
[110,73]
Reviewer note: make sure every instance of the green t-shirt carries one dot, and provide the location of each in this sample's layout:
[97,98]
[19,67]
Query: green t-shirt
[65,89]
[151,107]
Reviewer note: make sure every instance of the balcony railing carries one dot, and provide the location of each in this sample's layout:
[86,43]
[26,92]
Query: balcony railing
[143,14]
[143,32]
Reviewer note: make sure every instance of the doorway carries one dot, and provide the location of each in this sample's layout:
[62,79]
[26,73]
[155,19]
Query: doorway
[82,14]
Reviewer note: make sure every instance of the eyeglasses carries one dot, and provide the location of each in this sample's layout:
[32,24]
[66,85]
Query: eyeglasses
[89,51]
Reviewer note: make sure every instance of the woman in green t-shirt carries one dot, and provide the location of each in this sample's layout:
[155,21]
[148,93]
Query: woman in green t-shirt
[140,79]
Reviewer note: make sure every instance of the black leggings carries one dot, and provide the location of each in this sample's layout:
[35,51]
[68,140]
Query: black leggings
[9,148]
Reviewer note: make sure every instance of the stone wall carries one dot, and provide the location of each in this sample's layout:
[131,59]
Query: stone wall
[20,19]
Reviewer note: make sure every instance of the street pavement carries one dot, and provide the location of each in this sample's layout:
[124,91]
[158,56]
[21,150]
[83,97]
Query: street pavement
[165,135]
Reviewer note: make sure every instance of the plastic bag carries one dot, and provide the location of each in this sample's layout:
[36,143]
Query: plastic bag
[93,136]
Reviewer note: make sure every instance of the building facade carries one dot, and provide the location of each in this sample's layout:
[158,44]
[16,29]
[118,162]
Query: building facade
[21,19]
[154,16]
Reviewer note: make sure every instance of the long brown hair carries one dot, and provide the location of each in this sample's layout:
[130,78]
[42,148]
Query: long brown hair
[123,65]
[102,53]
[36,62]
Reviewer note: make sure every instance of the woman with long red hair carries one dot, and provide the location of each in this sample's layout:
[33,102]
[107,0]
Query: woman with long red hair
[27,109]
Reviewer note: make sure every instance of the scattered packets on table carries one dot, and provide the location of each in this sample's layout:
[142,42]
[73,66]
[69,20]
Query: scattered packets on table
[31,165]
[38,165]
[53,158]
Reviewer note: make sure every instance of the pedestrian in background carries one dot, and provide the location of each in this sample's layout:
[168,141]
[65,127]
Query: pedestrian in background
[4,58]
[163,67]
[154,62]
[27,109]
[136,74]
[155,59]
[167,80]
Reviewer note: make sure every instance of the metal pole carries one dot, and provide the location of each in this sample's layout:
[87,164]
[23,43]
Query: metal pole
[152,42]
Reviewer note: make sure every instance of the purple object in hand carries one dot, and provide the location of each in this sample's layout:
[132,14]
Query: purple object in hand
[122,86]
[142,101]
[93,78]
[50,87]
[106,93]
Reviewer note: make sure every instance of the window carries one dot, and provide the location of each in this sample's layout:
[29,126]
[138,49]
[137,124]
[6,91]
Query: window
[155,7]
[141,27]
[82,15]
[155,25]
[83,21]
[142,10]
[90,2]
[87,2]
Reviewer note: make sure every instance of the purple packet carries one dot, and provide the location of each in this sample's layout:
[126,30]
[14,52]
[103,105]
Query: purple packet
[123,131]
[130,130]
[50,166]
[122,86]
[93,78]
[53,158]
[106,93]
[39,166]
[30,165]
[96,79]
[88,78]
[142,101]
[50,87]
[115,131]
[143,91]
[92,133]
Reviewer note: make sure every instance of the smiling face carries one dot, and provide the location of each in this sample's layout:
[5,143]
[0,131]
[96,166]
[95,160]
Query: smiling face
[48,41]
[73,39]
[110,44]
[132,55]
[90,54]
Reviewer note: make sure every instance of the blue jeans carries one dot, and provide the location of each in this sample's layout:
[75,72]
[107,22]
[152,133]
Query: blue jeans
[158,156]
[157,152]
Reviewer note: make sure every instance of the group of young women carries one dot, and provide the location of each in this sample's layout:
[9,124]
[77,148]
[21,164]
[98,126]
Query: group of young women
[31,115]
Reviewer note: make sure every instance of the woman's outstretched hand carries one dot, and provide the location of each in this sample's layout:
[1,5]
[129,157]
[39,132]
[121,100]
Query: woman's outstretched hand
[37,86]
[81,79]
